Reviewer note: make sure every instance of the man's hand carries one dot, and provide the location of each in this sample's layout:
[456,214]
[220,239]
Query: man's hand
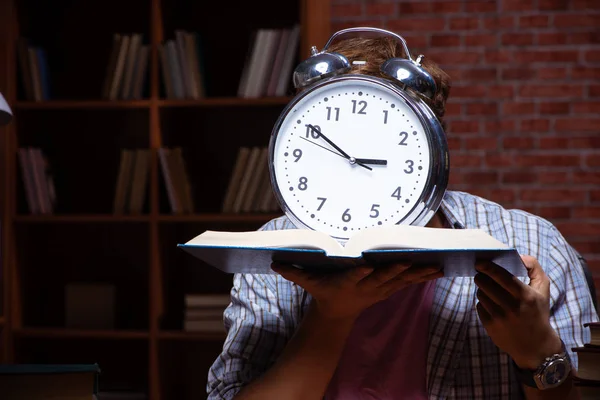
[346,294]
[516,316]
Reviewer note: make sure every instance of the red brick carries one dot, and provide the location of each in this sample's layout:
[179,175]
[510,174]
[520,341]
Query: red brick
[347,10]
[380,8]
[577,20]
[454,143]
[551,73]
[503,196]
[592,36]
[498,160]
[551,38]
[533,21]
[468,91]
[552,90]
[415,7]
[480,39]
[447,7]
[500,126]
[481,143]
[531,56]
[481,177]
[445,40]
[523,73]
[482,109]
[518,142]
[480,6]
[550,212]
[586,177]
[453,109]
[534,125]
[458,127]
[579,229]
[592,56]
[553,195]
[517,5]
[517,108]
[496,23]
[587,107]
[553,178]
[592,160]
[578,124]
[585,142]
[554,142]
[458,160]
[519,177]
[585,246]
[416,41]
[555,108]
[464,23]
[500,91]
[498,56]
[546,160]
[455,57]
[585,4]
[480,74]
[594,90]
[553,5]
[417,24]
[517,39]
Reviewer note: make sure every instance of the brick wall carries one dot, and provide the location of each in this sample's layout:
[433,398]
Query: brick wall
[524,110]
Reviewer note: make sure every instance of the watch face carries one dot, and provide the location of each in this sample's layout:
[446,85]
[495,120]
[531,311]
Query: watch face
[555,373]
[352,154]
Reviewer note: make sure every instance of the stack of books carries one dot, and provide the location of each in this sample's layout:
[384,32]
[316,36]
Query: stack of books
[204,312]
[588,372]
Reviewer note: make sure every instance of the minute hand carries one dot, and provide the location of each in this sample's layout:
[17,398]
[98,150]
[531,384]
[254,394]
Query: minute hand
[342,152]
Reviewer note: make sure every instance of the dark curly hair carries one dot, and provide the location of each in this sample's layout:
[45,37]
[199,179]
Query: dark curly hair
[377,50]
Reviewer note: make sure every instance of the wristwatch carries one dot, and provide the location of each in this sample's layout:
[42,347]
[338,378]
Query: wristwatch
[550,374]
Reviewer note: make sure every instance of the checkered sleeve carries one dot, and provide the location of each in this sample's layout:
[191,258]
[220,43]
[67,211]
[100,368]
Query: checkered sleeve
[261,317]
[571,303]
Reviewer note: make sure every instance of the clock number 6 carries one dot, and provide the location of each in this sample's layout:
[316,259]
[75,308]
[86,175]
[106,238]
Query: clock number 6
[302,185]
[346,216]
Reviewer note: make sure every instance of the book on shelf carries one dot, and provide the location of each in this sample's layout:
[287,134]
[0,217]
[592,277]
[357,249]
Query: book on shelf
[268,67]
[588,371]
[46,381]
[249,188]
[132,181]
[177,181]
[37,179]
[456,250]
[33,66]
[182,67]
[204,312]
[127,67]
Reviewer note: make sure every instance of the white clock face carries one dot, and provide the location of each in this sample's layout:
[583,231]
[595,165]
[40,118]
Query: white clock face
[320,177]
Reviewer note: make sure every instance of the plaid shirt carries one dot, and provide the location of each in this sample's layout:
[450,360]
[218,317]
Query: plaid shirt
[462,361]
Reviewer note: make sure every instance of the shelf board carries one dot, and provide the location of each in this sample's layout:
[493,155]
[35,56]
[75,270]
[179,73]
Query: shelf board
[217,217]
[80,333]
[81,218]
[81,104]
[225,101]
[197,336]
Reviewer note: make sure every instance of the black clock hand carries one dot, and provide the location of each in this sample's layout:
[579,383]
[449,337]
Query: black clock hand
[371,161]
[343,153]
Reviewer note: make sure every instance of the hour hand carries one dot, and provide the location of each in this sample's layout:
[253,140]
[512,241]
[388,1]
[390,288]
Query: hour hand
[371,161]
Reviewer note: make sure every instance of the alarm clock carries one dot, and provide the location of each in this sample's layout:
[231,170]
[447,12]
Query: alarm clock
[353,151]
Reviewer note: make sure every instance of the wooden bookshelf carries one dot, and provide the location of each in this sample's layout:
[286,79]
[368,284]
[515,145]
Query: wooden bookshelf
[83,240]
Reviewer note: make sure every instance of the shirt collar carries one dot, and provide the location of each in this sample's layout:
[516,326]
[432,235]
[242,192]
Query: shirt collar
[452,213]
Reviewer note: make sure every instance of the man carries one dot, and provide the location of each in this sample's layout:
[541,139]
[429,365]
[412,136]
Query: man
[402,333]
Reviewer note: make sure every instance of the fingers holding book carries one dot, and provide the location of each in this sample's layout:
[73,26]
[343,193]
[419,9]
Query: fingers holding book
[347,293]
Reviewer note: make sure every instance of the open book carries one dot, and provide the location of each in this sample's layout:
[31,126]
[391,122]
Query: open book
[456,250]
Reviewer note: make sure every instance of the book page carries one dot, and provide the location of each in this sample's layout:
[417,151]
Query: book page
[287,238]
[416,237]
